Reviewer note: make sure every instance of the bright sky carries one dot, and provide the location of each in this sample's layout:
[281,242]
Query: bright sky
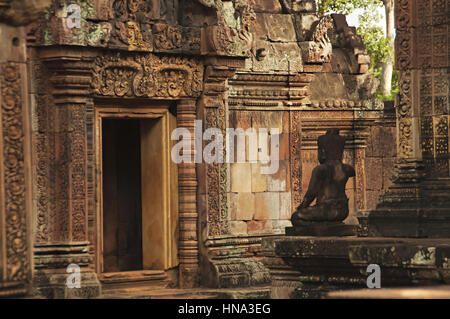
[352,19]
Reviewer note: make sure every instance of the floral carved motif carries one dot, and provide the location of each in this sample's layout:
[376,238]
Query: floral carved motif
[13,174]
[295,157]
[147,76]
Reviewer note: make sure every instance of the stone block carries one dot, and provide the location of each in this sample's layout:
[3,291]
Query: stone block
[363,68]
[258,28]
[342,62]
[259,227]
[329,85]
[271,6]
[267,206]
[285,206]
[372,198]
[388,141]
[279,57]
[279,226]
[268,120]
[278,182]
[295,6]
[240,119]
[284,150]
[280,27]
[259,181]
[242,206]
[241,177]
[388,171]
[303,23]
[363,59]
[238,228]
[374,173]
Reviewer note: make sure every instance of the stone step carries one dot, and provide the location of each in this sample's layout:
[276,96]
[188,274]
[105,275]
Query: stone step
[154,279]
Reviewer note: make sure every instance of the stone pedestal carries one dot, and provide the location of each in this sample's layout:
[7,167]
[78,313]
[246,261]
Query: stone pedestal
[51,271]
[321,229]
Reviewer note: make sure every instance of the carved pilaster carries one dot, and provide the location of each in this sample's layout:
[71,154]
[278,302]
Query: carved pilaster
[295,146]
[188,215]
[67,220]
[15,261]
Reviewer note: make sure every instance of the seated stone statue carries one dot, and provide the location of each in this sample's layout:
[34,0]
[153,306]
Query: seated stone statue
[327,184]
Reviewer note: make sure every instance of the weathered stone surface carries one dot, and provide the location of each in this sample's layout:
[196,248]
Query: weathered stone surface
[243,206]
[238,228]
[279,57]
[374,173]
[280,27]
[285,206]
[303,24]
[278,181]
[329,85]
[241,181]
[271,6]
[267,206]
[296,6]
[259,181]
[258,227]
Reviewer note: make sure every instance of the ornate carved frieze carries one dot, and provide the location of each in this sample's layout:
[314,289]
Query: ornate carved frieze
[13,208]
[165,77]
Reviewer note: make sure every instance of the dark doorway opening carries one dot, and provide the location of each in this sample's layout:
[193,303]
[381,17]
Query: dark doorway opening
[122,202]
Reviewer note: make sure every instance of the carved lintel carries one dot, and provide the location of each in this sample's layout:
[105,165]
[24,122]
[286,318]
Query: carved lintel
[149,75]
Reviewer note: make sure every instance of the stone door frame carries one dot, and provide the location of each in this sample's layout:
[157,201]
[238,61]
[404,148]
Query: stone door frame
[150,112]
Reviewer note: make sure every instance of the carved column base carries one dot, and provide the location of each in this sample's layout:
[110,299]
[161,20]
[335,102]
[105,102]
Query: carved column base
[51,262]
[233,263]
[189,277]
[413,207]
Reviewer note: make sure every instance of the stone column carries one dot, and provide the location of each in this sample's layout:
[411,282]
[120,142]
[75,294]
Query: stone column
[188,216]
[66,240]
[417,205]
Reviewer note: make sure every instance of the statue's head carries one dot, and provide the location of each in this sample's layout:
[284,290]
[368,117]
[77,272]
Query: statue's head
[331,146]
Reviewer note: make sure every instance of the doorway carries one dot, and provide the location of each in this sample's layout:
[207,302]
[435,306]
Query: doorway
[138,207]
[122,196]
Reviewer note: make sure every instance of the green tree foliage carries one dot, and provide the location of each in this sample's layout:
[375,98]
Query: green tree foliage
[372,34]
[344,6]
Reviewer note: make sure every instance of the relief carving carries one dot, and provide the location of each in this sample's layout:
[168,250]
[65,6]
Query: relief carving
[319,49]
[147,76]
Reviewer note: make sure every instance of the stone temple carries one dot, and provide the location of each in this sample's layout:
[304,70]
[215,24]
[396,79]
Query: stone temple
[90,95]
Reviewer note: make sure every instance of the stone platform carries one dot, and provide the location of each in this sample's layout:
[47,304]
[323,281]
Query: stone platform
[311,267]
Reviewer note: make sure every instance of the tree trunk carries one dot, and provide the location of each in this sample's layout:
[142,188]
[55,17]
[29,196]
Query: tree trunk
[386,76]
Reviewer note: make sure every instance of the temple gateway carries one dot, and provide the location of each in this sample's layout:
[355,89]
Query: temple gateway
[93,206]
